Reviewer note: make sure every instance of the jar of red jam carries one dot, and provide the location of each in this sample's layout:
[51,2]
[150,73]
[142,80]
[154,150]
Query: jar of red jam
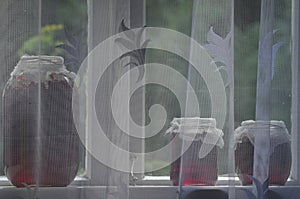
[41,144]
[198,141]
[280,150]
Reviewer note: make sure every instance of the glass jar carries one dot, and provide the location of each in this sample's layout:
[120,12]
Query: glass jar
[280,151]
[198,141]
[41,144]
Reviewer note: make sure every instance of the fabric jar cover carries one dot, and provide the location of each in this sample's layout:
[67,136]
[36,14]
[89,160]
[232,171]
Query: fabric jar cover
[197,140]
[280,150]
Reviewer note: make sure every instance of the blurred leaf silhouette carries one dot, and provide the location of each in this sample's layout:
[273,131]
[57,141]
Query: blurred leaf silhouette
[261,189]
[75,48]
[221,51]
[137,48]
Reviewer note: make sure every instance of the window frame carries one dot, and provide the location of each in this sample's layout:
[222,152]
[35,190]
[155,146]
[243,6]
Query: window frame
[133,12]
[295,115]
[137,19]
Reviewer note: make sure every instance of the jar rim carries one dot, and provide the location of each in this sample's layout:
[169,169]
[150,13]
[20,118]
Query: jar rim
[194,125]
[58,60]
[194,121]
[39,64]
[261,123]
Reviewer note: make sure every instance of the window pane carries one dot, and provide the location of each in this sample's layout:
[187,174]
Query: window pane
[40,107]
[177,15]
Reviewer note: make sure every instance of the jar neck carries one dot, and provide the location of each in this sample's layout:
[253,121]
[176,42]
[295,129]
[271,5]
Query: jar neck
[273,124]
[195,122]
[40,64]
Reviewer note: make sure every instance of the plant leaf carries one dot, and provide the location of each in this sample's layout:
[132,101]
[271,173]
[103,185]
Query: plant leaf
[263,50]
[249,194]
[73,41]
[139,35]
[137,52]
[126,43]
[69,49]
[263,53]
[265,185]
[67,63]
[275,48]
[145,43]
[134,54]
[131,53]
[259,187]
[221,51]
[214,38]
[129,33]
[141,69]
[142,55]
[218,53]
[122,26]
[229,75]
[128,64]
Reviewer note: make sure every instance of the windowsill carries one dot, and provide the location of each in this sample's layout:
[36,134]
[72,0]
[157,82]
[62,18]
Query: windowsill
[165,180]
[222,181]
[136,192]
[79,181]
[162,189]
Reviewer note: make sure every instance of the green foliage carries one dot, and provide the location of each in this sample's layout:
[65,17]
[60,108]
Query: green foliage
[177,15]
[173,14]
[55,39]
[71,13]
[45,44]
[245,70]
[21,19]
[156,164]
[59,16]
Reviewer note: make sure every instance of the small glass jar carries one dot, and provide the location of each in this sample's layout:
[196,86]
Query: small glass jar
[41,144]
[280,151]
[198,141]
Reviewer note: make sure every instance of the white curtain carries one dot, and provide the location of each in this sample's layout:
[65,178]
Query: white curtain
[209,66]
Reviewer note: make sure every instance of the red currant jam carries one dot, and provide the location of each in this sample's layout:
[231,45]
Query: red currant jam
[279,165]
[49,156]
[196,171]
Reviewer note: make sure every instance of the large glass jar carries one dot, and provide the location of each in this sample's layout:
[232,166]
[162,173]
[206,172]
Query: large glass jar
[280,150]
[41,144]
[198,141]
